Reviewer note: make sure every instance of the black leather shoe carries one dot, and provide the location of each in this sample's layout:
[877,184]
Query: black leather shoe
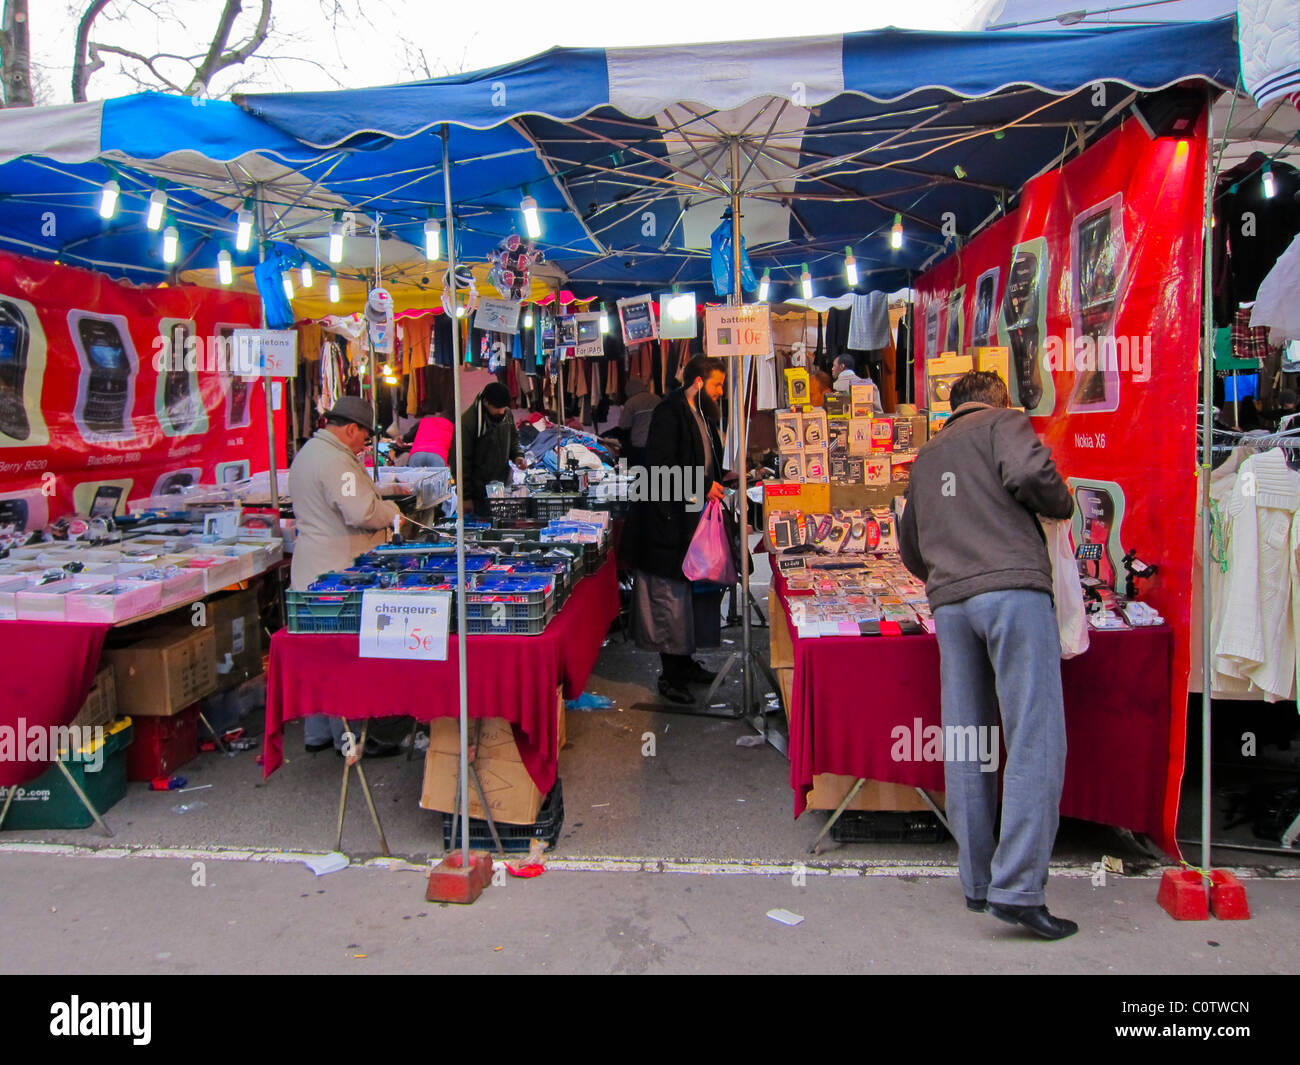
[316,748]
[675,694]
[379,749]
[700,675]
[1036,919]
[977,905]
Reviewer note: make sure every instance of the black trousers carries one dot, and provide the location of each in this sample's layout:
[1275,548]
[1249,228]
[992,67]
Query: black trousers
[676,668]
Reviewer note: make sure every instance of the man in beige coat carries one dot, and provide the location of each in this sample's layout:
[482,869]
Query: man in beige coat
[340,515]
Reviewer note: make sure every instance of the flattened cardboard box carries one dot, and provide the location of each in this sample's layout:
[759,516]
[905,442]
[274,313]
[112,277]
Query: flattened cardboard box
[165,671]
[237,624]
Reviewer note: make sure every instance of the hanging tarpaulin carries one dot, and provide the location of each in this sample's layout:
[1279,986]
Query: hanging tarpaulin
[1269,36]
[723,266]
[1094,296]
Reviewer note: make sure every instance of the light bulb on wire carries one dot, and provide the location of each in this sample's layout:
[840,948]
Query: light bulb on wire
[225,268]
[171,244]
[850,268]
[306,274]
[108,195]
[243,229]
[432,240]
[532,223]
[805,282]
[157,206]
[528,318]
[336,242]
[1270,183]
[604,319]
[287,280]
[334,289]
[896,233]
[765,285]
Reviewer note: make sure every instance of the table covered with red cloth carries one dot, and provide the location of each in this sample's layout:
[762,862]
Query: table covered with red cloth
[48,669]
[850,693]
[513,677]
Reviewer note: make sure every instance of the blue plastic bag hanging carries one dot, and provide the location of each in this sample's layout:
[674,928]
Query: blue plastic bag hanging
[723,268]
[270,286]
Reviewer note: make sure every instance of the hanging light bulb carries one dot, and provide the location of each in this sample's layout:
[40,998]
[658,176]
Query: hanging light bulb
[306,275]
[1270,183]
[157,205]
[896,233]
[460,310]
[108,198]
[604,319]
[288,284]
[171,244]
[334,289]
[805,282]
[336,240]
[532,224]
[851,268]
[765,285]
[225,269]
[528,318]
[243,229]
[960,171]
[432,240]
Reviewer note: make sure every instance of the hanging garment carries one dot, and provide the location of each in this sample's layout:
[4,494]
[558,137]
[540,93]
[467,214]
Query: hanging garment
[768,397]
[869,322]
[1257,640]
[1248,342]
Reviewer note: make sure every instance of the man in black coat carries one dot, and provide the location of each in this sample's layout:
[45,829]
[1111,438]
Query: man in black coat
[683,438]
[491,445]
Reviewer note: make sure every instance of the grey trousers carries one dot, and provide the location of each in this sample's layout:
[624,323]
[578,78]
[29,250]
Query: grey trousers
[1002,650]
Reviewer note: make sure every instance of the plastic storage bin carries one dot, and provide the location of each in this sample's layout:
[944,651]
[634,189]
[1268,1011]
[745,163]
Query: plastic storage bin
[514,838]
[163,744]
[49,801]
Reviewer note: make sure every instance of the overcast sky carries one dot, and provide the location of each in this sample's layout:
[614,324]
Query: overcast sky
[378,42]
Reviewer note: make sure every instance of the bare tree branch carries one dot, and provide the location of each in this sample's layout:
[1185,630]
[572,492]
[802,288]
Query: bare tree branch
[218,58]
[147,61]
[83,59]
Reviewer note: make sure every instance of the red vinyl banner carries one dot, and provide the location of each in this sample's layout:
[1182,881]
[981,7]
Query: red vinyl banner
[1091,288]
[111,392]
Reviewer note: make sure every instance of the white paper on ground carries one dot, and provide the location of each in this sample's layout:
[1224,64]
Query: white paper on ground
[785,917]
[328,863]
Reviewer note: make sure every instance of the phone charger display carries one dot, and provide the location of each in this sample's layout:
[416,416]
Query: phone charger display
[791,467]
[816,467]
[882,435]
[117,602]
[994,360]
[861,402]
[860,436]
[814,431]
[900,468]
[798,388]
[876,470]
[789,431]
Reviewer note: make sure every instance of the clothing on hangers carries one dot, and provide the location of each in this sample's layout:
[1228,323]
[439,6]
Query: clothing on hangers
[869,322]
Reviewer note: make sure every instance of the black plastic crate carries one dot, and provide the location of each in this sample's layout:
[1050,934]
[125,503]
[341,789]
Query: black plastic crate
[888,826]
[552,506]
[515,839]
[508,508]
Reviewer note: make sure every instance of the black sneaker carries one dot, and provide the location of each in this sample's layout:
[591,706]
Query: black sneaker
[675,694]
[699,675]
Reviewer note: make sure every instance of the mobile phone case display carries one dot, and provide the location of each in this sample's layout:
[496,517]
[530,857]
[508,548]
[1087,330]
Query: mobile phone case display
[1098,269]
[109,369]
[986,290]
[177,399]
[22,371]
[1107,572]
[235,387]
[953,334]
[1023,327]
[815,447]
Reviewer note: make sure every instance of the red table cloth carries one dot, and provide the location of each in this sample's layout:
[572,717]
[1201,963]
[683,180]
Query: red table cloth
[48,669]
[513,677]
[849,693]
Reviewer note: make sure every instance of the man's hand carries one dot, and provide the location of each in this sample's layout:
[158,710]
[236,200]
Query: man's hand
[716,493]
[521,462]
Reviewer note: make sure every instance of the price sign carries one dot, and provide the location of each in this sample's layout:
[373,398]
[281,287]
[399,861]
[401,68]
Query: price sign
[406,625]
[737,330]
[497,316]
[264,352]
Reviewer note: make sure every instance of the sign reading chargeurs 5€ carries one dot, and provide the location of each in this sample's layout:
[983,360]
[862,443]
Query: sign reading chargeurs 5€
[265,352]
[737,330]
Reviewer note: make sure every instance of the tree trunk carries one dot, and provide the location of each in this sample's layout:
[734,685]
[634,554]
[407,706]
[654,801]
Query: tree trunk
[81,67]
[17,71]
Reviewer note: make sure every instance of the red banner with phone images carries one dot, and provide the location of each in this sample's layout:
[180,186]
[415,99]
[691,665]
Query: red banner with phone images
[1092,285]
[111,392]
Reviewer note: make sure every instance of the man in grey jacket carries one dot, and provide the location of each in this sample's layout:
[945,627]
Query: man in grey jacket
[970,530]
[340,515]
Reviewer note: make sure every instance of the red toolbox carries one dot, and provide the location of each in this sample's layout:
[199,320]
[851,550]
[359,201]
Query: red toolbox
[163,744]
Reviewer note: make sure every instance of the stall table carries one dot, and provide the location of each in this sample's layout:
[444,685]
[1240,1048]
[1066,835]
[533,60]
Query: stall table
[511,677]
[849,694]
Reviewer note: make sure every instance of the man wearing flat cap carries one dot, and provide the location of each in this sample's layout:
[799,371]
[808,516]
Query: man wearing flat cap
[340,515]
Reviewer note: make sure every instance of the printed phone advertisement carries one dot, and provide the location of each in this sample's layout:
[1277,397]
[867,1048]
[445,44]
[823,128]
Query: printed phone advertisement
[22,372]
[1098,269]
[109,365]
[1022,327]
[178,351]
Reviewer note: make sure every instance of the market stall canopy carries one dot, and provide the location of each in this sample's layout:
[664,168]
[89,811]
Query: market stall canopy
[837,138]
[628,153]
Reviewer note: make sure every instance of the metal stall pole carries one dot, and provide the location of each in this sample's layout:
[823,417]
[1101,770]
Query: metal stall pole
[260,236]
[461,625]
[1207,457]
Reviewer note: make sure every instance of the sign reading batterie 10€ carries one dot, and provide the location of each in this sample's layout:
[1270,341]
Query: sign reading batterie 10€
[737,331]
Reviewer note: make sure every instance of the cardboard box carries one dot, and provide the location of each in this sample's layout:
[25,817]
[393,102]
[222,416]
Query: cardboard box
[840,469]
[816,467]
[998,360]
[100,706]
[511,794]
[165,671]
[837,431]
[789,431]
[937,420]
[901,468]
[829,789]
[798,390]
[882,435]
[815,431]
[859,436]
[836,404]
[790,468]
[876,470]
[237,623]
[940,374]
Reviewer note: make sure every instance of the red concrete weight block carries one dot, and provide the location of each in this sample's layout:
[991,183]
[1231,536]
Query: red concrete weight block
[1182,895]
[450,881]
[1228,897]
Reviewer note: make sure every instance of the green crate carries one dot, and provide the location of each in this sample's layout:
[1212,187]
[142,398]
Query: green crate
[49,801]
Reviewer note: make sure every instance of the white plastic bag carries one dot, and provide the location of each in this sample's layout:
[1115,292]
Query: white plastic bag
[1071,617]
